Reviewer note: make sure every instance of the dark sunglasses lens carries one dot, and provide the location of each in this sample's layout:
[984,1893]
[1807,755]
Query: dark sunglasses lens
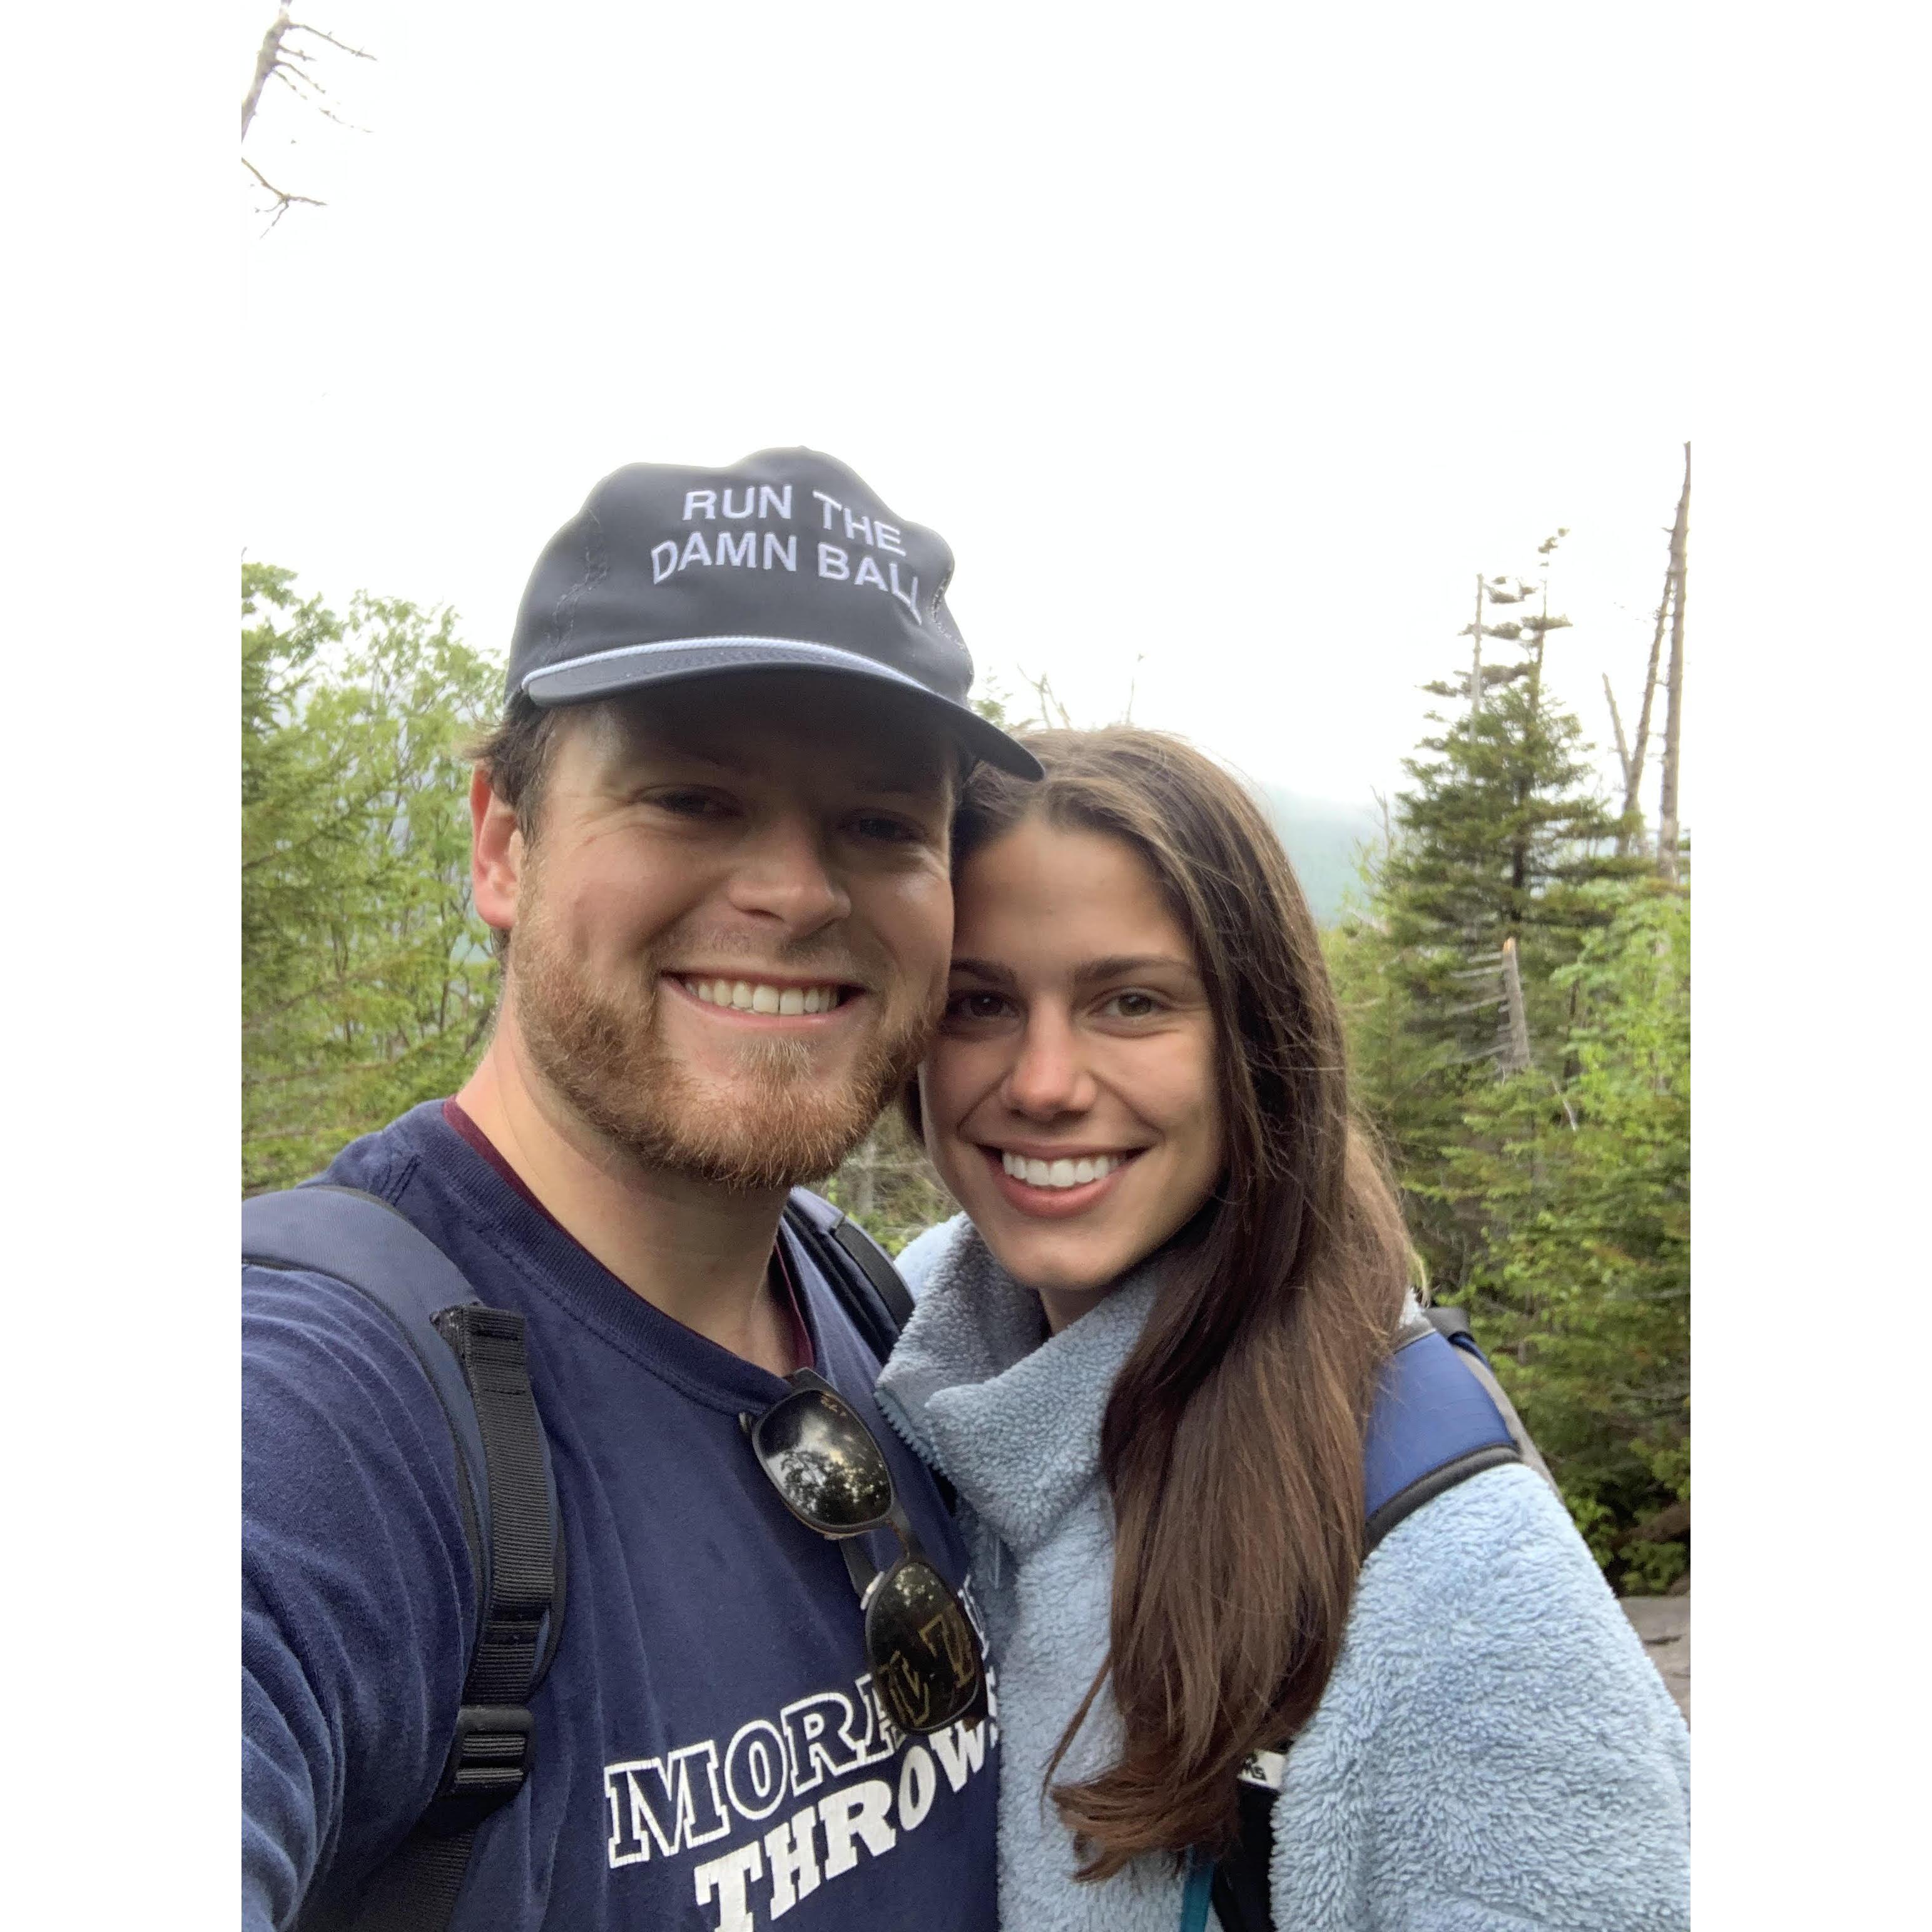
[829,1469]
[924,1656]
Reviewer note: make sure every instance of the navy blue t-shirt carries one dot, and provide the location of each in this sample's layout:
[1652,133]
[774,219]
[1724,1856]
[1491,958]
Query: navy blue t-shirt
[708,1751]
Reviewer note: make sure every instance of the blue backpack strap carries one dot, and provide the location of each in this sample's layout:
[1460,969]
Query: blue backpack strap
[474,1357]
[1434,1425]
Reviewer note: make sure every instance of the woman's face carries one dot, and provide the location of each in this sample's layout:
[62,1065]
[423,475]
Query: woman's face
[1069,1100]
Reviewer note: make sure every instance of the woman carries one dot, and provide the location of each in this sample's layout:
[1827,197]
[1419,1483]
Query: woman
[1145,1357]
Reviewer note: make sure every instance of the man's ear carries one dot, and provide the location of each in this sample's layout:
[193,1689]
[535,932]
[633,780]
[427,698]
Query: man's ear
[496,854]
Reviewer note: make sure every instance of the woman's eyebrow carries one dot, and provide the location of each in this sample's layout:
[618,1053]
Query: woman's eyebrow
[1124,966]
[990,970]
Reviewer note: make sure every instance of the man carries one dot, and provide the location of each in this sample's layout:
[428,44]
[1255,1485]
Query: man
[711,833]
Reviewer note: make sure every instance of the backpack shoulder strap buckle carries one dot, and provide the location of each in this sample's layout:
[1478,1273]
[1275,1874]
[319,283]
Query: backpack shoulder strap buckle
[489,1759]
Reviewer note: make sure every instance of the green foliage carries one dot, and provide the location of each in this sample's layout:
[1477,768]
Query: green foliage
[1582,1286]
[366,979]
[889,1188]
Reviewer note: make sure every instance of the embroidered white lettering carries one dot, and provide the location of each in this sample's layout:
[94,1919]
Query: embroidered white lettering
[775,502]
[807,1725]
[962,1747]
[859,1811]
[831,503]
[754,1768]
[653,1800]
[742,549]
[793,1859]
[919,1784]
[785,549]
[887,537]
[832,562]
[704,500]
[664,559]
[909,598]
[695,551]
[868,572]
[750,497]
[728,1876]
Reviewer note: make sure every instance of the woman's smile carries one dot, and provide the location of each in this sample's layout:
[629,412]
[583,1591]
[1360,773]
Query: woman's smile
[1070,1099]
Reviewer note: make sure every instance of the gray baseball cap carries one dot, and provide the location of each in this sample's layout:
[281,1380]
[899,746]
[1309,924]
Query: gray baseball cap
[784,561]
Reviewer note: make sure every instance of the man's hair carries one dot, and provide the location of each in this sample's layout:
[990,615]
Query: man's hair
[515,755]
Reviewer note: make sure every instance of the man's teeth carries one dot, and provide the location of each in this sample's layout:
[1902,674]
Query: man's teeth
[750,996]
[1060,1173]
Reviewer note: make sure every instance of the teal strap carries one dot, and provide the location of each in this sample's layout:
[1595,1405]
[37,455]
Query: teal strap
[1194,1895]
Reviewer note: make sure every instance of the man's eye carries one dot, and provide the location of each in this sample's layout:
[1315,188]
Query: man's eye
[691,804]
[888,830]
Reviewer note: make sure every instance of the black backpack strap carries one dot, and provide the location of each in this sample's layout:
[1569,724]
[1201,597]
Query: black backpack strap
[1240,1893]
[475,1358]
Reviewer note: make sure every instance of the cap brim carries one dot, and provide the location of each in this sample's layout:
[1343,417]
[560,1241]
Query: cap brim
[639,667]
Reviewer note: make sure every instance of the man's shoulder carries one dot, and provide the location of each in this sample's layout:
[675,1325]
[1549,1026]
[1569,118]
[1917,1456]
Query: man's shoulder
[384,1162]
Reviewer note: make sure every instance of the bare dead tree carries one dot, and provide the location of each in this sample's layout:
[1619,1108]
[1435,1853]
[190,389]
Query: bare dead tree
[1640,742]
[1052,713]
[1617,725]
[1476,666]
[1513,1054]
[1666,804]
[283,58]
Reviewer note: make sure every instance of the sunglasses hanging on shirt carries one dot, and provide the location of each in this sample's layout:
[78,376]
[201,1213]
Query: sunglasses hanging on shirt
[831,1474]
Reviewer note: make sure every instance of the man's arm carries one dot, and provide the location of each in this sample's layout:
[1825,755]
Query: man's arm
[357,1596]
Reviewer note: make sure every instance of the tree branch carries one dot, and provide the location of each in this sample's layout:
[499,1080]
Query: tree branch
[266,62]
[302,27]
[284,202]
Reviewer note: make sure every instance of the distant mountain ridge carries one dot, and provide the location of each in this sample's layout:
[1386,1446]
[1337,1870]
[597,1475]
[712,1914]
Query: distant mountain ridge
[1322,837]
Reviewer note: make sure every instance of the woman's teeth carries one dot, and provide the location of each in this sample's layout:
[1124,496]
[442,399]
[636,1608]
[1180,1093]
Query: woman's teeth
[748,996]
[1060,1173]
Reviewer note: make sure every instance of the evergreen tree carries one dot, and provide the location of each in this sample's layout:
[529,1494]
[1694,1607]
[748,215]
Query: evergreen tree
[1503,840]
[1580,1284]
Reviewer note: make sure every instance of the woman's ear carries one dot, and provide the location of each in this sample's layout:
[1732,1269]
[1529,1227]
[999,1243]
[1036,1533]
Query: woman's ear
[496,854]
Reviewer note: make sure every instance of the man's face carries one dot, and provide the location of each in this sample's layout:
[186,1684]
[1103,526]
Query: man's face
[732,924]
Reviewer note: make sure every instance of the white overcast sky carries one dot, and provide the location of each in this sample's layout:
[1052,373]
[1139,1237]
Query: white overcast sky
[1234,350]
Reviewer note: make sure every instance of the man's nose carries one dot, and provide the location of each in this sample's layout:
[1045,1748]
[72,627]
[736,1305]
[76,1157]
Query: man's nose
[1048,1076]
[783,874]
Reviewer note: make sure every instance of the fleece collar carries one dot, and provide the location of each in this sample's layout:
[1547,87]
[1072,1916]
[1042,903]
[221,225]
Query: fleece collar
[1010,1414]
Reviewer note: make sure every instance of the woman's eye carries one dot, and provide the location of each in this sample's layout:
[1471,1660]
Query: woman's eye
[975,1007]
[1131,1006]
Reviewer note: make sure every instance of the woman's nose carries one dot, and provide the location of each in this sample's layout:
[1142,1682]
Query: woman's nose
[1048,1077]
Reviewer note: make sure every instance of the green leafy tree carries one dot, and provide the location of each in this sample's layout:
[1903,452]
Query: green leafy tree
[367,983]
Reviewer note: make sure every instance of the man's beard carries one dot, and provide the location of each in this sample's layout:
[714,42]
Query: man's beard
[777,1122]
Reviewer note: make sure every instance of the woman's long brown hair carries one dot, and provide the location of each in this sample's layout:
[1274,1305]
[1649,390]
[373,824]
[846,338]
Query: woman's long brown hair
[1232,1444]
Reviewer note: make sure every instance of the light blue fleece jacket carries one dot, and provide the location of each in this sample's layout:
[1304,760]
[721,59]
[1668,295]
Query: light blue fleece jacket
[1493,1750]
